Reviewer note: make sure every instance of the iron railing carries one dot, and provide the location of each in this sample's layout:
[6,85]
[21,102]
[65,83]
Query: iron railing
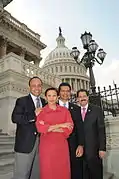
[107,99]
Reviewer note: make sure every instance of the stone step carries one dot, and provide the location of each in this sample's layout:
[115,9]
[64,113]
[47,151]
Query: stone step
[6,166]
[6,176]
[6,153]
[6,138]
[108,175]
[6,144]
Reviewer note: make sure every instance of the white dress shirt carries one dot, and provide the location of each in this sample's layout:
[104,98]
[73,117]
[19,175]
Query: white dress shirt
[61,103]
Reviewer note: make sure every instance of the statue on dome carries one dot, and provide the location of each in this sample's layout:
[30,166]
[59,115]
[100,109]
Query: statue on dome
[4,3]
[60,31]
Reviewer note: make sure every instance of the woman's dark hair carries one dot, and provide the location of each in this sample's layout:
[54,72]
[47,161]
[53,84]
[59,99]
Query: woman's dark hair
[64,84]
[51,89]
[82,90]
[35,77]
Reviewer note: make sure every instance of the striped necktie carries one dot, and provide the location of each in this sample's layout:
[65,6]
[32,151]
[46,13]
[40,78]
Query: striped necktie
[38,102]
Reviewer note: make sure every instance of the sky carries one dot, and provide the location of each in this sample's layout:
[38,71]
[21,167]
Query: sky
[101,18]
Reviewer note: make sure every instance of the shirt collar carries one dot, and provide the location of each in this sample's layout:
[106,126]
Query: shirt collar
[34,98]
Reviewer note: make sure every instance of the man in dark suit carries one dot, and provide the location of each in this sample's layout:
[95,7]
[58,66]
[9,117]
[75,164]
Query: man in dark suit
[94,137]
[76,139]
[26,141]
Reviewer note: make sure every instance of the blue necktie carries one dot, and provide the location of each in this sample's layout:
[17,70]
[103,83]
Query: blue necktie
[64,104]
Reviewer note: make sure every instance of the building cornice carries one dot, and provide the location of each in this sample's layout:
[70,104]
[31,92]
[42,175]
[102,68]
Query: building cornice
[7,19]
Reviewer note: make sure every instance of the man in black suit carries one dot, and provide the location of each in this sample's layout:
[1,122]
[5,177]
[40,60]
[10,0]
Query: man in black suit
[94,137]
[26,141]
[76,139]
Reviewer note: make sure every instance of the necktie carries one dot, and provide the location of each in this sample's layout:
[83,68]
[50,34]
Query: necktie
[64,104]
[83,113]
[38,104]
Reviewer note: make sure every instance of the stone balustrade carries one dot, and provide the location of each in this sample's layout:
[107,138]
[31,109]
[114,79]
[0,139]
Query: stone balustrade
[111,162]
[15,63]
[8,17]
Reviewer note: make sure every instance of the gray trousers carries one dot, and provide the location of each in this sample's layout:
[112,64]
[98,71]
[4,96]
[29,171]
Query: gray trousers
[27,165]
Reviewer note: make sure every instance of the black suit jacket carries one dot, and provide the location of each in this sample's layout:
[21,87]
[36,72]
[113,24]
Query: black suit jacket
[23,115]
[94,131]
[77,136]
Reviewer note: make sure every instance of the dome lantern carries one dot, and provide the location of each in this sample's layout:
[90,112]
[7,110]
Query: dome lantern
[60,40]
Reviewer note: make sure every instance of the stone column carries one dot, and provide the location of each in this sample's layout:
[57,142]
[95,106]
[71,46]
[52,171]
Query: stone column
[70,82]
[81,84]
[75,84]
[78,84]
[85,85]
[3,47]
[36,62]
[22,52]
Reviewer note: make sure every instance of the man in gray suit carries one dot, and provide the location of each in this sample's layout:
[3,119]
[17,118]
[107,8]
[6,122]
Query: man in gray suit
[27,139]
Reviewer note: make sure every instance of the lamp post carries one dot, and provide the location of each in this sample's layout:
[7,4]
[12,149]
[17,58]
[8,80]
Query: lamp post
[89,58]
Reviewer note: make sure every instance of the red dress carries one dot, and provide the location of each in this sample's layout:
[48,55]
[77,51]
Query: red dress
[53,147]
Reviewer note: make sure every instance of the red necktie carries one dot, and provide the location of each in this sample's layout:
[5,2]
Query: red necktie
[83,113]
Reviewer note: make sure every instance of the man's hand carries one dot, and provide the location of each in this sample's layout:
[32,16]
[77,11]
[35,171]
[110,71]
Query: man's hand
[79,151]
[37,111]
[102,154]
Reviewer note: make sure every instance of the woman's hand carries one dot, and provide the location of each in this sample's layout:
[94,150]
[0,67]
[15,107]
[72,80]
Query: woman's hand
[58,130]
[66,125]
[59,126]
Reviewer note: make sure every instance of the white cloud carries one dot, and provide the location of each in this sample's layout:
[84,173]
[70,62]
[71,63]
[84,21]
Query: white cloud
[106,75]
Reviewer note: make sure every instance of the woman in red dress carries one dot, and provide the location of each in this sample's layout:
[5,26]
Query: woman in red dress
[55,124]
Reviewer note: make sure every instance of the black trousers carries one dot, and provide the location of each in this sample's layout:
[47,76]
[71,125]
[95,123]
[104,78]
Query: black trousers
[92,168]
[76,165]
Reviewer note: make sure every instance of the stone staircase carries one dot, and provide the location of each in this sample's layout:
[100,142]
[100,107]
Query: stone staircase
[7,158]
[6,155]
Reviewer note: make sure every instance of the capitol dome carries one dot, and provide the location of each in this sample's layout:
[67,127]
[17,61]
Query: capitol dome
[60,62]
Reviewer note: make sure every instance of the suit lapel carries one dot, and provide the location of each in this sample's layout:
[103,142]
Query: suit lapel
[70,107]
[30,102]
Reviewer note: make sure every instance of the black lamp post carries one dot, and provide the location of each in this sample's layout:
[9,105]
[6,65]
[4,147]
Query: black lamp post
[89,58]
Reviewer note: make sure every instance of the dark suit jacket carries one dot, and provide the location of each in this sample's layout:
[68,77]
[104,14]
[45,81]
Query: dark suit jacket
[23,114]
[77,136]
[94,131]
